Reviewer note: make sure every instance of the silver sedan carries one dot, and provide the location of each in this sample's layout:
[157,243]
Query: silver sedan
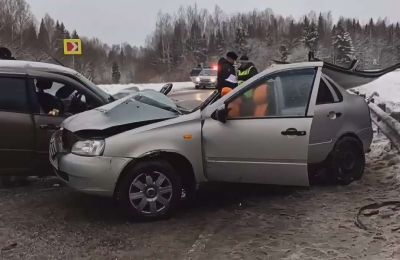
[285,126]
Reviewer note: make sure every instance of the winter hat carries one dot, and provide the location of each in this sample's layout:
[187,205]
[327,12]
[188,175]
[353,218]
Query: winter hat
[232,55]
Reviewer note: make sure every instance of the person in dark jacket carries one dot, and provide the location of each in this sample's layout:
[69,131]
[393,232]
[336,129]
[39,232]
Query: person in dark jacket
[247,69]
[226,76]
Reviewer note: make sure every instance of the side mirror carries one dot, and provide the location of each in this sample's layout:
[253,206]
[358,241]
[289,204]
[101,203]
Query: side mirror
[221,114]
[166,88]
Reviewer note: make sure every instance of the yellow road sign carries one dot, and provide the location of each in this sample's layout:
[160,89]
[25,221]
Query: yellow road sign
[72,47]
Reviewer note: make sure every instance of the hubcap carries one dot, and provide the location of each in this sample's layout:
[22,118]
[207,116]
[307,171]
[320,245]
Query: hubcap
[150,193]
[348,161]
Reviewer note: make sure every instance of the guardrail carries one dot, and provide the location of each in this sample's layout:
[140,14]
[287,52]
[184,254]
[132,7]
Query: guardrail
[389,126]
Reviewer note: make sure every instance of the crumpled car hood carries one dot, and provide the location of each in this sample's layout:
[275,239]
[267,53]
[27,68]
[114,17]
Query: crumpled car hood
[118,113]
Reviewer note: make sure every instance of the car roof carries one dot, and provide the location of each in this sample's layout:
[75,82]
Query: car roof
[23,67]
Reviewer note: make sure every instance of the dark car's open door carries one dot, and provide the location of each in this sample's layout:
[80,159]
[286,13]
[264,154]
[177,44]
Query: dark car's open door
[351,77]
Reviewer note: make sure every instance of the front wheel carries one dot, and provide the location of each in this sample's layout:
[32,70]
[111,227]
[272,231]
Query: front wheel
[347,161]
[151,189]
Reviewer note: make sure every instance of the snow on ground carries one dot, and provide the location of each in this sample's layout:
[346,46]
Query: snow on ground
[388,88]
[115,88]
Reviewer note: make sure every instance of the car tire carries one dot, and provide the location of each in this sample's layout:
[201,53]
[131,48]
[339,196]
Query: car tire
[150,190]
[196,87]
[347,161]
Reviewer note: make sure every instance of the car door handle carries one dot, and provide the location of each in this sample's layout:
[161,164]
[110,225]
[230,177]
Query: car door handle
[49,127]
[333,115]
[293,132]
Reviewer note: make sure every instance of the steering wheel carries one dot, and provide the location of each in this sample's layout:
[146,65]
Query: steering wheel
[77,105]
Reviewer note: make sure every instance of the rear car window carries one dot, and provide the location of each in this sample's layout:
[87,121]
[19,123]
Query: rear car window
[324,94]
[13,95]
[333,85]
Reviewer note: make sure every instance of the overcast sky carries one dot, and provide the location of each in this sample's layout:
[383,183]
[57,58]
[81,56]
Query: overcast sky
[116,21]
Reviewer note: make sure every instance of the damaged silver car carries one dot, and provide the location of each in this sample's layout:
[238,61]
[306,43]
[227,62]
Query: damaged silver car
[281,127]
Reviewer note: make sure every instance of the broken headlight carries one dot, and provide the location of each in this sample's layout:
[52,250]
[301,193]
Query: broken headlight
[88,148]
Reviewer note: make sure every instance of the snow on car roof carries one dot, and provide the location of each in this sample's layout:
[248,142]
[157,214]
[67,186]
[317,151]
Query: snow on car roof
[20,66]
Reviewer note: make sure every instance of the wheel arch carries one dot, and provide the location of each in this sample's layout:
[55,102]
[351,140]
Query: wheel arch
[179,162]
[351,135]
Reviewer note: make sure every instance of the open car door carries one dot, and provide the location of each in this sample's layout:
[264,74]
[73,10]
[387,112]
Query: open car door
[350,77]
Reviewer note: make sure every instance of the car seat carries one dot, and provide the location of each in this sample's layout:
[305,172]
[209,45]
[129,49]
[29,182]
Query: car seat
[234,108]
[260,98]
[225,91]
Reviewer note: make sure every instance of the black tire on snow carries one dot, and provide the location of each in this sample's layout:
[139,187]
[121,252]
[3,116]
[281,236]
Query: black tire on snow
[347,161]
[149,167]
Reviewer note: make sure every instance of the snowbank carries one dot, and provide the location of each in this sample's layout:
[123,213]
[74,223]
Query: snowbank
[115,88]
[388,88]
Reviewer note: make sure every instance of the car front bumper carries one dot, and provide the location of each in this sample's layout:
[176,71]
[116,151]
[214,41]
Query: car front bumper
[92,175]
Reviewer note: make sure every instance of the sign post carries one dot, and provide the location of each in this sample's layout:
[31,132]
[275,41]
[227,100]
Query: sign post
[73,47]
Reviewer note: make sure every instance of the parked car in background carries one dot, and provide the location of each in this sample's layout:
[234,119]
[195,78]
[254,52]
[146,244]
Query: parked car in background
[281,127]
[207,78]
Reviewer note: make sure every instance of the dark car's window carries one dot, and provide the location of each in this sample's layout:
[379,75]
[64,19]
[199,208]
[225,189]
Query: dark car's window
[324,94]
[13,95]
[284,94]
[61,99]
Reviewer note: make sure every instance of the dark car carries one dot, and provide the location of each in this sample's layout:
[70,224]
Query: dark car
[35,98]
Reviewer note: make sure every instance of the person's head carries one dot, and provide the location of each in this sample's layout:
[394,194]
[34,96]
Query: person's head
[44,84]
[244,59]
[231,57]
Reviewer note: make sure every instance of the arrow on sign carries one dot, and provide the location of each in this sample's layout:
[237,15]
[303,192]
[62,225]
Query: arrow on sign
[72,46]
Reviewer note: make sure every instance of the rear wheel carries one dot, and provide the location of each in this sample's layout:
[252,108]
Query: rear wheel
[151,189]
[347,161]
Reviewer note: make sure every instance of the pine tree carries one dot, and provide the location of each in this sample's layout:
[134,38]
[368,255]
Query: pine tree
[43,37]
[30,39]
[220,42]
[74,35]
[311,37]
[241,40]
[116,75]
[343,45]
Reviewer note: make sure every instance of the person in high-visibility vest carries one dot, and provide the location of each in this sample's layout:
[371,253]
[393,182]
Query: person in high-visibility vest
[246,70]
